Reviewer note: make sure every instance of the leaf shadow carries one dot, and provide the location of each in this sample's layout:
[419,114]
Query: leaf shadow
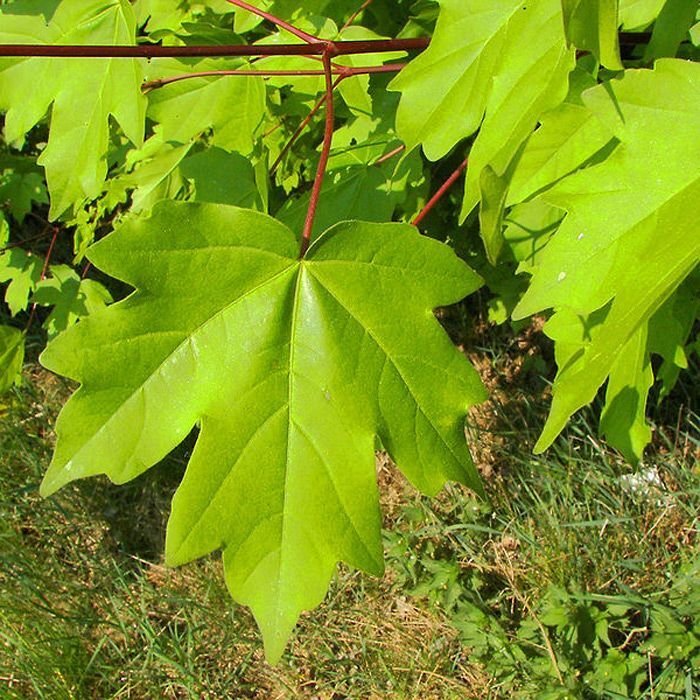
[137,512]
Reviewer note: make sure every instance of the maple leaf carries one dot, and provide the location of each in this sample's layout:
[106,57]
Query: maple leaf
[531,78]
[23,271]
[481,51]
[630,237]
[290,368]
[83,92]
[71,298]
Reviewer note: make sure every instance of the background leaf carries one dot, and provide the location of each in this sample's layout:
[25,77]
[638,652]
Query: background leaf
[83,93]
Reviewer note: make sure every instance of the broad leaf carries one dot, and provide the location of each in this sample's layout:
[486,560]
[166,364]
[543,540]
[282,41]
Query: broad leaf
[479,49]
[11,357]
[83,93]
[631,235]
[532,78]
[290,368]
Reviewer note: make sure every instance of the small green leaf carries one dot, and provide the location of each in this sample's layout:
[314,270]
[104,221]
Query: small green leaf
[22,270]
[290,368]
[494,189]
[623,421]
[11,357]
[20,191]
[71,297]
[154,178]
[222,178]
[346,193]
[4,231]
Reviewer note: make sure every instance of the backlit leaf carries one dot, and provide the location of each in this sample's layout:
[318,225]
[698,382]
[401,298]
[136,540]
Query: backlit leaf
[481,51]
[290,368]
[631,234]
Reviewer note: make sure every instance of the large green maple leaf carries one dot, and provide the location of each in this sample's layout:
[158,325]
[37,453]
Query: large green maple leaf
[83,92]
[290,368]
[629,240]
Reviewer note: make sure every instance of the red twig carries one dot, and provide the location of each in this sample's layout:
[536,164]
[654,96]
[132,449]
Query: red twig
[339,48]
[441,193]
[323,161]
[356,14]
[342,71]
[42,277]
[390,155]
[300,129]
[308,38]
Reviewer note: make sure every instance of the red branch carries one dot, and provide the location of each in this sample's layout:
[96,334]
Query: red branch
[308,38]
[390,155]
[338,48]
[342,71]
[300,129]
[441,193]
[44,270]
[323,161]
[356,14]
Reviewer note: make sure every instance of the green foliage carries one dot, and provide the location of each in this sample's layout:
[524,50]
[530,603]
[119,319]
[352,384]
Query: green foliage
[11,357]
[325,372]
[583,166]
[617,254]
[74,157]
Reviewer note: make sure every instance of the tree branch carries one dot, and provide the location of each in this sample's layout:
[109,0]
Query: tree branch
[300,129]
[308,38]
[356,14]
[323,162]
[342,71]
[338,48]
[441,193]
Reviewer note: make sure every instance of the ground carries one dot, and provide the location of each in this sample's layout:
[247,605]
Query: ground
[472,603]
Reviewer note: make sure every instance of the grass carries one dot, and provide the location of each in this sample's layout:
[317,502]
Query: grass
[471,606]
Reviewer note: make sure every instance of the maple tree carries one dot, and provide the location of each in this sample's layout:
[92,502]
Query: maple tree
[299,341]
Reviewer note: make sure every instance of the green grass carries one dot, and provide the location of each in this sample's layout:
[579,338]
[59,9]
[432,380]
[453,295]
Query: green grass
[474,604]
